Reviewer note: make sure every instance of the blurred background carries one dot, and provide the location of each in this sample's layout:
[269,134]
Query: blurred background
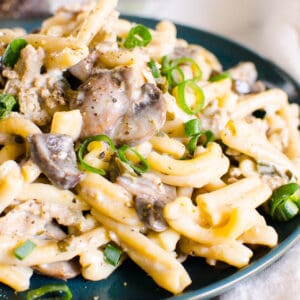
[269,27]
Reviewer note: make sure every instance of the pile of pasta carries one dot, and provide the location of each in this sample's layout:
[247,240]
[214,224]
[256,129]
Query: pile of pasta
[218,189]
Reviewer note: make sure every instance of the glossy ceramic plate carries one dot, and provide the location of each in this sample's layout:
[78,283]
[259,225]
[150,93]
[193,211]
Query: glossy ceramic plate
[131,283]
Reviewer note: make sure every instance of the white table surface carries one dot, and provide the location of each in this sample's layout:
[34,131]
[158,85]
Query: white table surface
[272,29]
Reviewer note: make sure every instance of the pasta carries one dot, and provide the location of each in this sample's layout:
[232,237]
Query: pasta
[119,141]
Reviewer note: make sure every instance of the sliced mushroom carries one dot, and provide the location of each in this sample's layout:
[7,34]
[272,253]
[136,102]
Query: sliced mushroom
[113,103]
[150,211]
[83,69]
[151,197]
[55,156]
[61,270]
[245,75]
[144,119]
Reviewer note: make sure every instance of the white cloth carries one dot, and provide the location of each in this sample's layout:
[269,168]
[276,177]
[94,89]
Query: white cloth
[272,29]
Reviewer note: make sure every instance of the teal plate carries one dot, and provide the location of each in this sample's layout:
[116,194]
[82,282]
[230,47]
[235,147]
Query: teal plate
[131,283]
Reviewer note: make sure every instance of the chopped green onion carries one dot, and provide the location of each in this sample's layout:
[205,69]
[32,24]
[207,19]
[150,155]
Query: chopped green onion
[50,288]
[165,65]
[187,60]
[7,103]
[139,169]
[168,68]
[138,36]
[209,137]
[152,65]
[112,254]
[192,127]
[191,146]
[220,77]
[83,148]
[172,80]
[284,203]
[24,250]
[12,52]
[179,92]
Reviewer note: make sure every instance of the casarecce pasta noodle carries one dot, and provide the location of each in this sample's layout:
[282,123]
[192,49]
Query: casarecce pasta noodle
[120,141]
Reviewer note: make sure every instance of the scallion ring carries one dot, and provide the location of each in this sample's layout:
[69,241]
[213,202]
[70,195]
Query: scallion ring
[62,289]
[142,167]
[175,76]
[154,70]
[13,51]
[187,60]
[24,249]
[284,203]
[83,147]
[112,254]
[138,36]
[180,93]
[220,77]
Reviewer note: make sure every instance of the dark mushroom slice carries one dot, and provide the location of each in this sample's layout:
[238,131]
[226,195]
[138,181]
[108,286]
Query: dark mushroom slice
[150,198]
[112,104]
[144,119]
[150,211]
[55,156]
[83,69]
[103,101]
[244,77]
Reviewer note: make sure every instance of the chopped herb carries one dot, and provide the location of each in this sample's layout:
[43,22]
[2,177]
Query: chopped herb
[220,77]
[142,167]
[180,94]
[62,289]
[7,103]
[284,203]
[112,254]
[192,127]
[13,51]
[83,147]
[24,249]
[138,36]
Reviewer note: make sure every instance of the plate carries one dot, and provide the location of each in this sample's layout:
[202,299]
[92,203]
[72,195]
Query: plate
[131,283]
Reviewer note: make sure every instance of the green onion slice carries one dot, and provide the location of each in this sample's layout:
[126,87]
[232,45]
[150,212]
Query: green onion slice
[209,136]
[165,65]
[285,202]
[180,91]
[192,127]
[7,103]
[24,249]
[175,76]
[220,77]
[13,51]
[112,254]
[187,60]
[83,147]
[194,141]
[191,146]
[142,167]
[152,65]
[138,36]
[50,288]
